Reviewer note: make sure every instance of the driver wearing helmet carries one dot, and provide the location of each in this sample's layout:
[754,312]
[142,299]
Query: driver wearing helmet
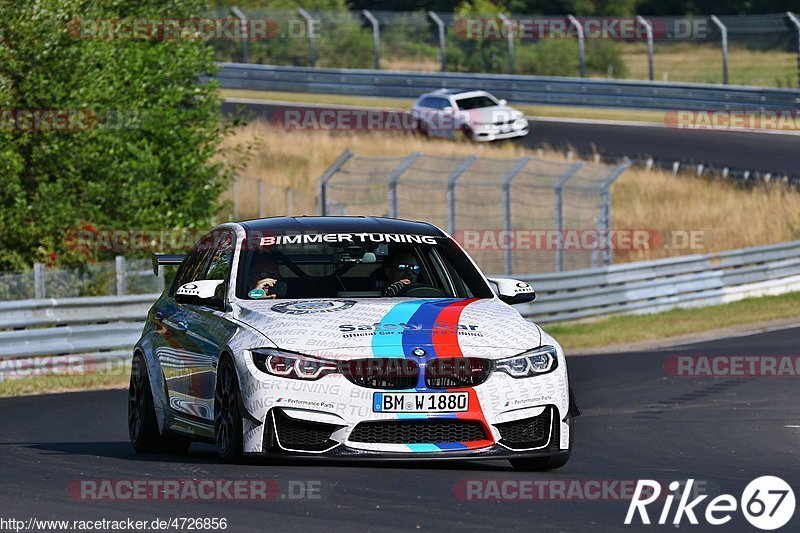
[401,271]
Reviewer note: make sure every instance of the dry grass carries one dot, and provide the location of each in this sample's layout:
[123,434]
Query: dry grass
[296,159]
[728,216]
[421,64]
[703,63]
[683,61]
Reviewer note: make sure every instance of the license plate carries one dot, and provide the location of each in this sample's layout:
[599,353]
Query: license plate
[411,402]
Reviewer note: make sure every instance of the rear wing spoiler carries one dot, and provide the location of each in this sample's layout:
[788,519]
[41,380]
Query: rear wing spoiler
[166,259]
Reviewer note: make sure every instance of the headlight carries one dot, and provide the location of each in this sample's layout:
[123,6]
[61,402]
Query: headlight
[533,363]
[291,365]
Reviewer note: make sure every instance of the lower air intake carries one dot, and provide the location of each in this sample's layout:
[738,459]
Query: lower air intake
[302,435]
[417,432]
[527,433]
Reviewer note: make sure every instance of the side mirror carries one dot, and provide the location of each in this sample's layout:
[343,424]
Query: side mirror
[448,110]
[513,291]
[210,292]
[503,102]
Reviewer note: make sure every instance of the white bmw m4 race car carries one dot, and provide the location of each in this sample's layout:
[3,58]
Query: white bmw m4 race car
[346,337]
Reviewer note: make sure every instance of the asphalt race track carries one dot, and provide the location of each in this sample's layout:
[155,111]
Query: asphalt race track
[736,150]
[637,423]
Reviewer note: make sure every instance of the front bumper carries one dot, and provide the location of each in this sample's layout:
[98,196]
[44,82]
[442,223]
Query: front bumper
[325,440]
[345,453]
[487,135]
[339,407]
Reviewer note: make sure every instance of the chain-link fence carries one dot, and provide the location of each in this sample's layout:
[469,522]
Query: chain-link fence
[93,279]
[526,215]
[759,50]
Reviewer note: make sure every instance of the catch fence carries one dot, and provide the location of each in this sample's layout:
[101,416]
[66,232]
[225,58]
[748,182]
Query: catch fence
[512,215]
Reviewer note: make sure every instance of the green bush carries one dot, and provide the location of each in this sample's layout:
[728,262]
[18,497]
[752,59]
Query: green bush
[154,169]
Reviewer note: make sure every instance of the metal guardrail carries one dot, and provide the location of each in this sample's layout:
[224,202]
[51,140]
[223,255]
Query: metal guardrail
[106,328]
[664,284]
[515,88]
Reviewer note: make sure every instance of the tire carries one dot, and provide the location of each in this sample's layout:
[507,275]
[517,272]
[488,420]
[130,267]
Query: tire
[540,464]
[422,129]
[228,426]
[142,422]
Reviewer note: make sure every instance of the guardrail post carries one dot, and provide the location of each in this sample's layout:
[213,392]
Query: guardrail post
[327,175]
[394,177]
[261,208]
[508,253]
[312,47]
[605,198]
[575,23]
[451,193]
[38,281]
[510,38]
[559,190]
[796,22]
[440,30]
[243,22]
[119,268]
[648,28]
[724,35]
[376,37]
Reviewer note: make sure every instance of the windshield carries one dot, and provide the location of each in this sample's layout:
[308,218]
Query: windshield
[475,102]
[356,265]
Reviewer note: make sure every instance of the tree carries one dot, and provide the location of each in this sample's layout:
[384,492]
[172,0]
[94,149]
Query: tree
[142,152]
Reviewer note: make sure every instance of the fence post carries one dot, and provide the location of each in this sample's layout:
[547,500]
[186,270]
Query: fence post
[394,177]
[575,23]
[243,22]
[796,22]
[376,37]
[605,198]
[312,47]
[261,208]
[510,38]
[440,29]
[38,281]
[451,195]
[289,201]
[322,183]
[648,28]
[508,253]
[235,197]
[559,190]
[119,268]
[724,34]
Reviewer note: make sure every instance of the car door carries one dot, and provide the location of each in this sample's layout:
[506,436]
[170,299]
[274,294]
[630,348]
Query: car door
[198,333]
[442,122]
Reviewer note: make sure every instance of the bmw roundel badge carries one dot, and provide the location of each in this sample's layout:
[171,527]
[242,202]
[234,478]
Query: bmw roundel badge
[419,352]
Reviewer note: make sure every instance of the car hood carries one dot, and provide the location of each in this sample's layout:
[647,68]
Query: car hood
[490,115]
[391,327]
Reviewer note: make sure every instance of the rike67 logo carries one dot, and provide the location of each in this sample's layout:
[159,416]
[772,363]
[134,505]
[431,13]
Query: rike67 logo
[767,503]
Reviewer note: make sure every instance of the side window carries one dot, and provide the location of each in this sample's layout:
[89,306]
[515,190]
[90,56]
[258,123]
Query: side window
[195,265]
[441,103]
[219,266]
